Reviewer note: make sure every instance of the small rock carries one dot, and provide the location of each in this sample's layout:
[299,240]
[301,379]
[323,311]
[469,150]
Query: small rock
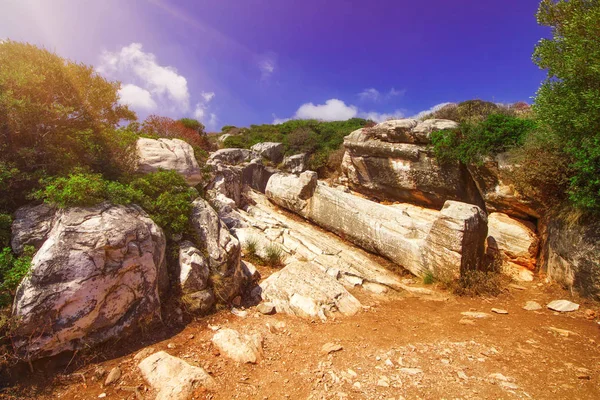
[517,287]
[266,308]
[462,375]
[239,313]
[238,347]
[237,301]
[563,306]
[277,328]
[171,346]
[102,395]
[383,382]
[561,332]
[499,311]
[357,385]
[499,377]
[466,321]
[411,371]
[329,348]
[190,337]
[99,372]
[509,385]
[532,306]
[389,363]
[590,314]
[113,376]
[476,314]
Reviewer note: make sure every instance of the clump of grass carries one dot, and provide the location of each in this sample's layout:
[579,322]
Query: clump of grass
[251,247]
[428,278]
[274,256]
[479,283]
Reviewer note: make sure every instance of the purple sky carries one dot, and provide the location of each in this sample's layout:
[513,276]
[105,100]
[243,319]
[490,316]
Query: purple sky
[250,61]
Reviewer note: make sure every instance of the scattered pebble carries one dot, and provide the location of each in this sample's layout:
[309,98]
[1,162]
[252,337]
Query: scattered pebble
[113,376]
[329,348]
[239,313]
[532,306]
[561,332]
[102,395]
[466,321]
[171,346]
[499,311]
[475,314]
[411,371]
[266,308]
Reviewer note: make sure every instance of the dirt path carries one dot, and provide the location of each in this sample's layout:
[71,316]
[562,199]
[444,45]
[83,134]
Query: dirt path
[401,348]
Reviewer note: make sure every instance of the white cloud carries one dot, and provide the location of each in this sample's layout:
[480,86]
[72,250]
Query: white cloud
[136,97]
[371,94]
[164,84]
[207,96]
[277,121]
[267,65]
[429,111]
[380,117]
[332,110]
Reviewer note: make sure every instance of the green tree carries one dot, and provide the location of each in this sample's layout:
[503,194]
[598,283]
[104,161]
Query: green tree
[568,102]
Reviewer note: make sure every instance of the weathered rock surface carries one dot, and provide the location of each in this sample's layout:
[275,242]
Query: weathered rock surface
[31,226]
[516,243]
[295,164]
[231,156]
[168,154]
[194,269]
[98,274]
[305,290]
[570,255]
[532,306]
[493,180]
[222,247]
[392,161]
[272,151]
[417,239]
[240,348]
[173,378]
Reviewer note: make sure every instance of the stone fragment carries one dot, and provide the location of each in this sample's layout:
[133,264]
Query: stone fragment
[113,376]
[329,348]
[532,306]
[168,154]
[238,347]
[563,306]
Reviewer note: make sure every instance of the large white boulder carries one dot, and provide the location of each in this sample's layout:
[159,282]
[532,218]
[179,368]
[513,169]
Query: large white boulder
[295,164]
[445,242]
[168,154]
[97,275]
[31,226]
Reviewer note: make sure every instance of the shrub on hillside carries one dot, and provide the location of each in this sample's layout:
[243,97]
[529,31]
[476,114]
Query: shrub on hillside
[164,195]
[568,102]
[187,129]
[471,111]
[55,115]
[12,271]
[473,141]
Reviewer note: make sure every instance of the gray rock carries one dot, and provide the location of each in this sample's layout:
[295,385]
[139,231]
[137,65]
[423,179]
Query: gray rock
[201,301]
[194,269]
[173,378]
[563,306]
[292,192]
[113,376]
[571,254]
[231,156]
[238,347]
[266,308]
[31,226]
[270,150]
[295,164]
[98,274]
[222,248]
[168,154]
[532,306]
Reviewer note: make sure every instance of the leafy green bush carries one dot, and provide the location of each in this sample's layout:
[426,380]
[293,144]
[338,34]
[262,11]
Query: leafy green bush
[568,102]
[12,271]
[473,111]
[235,142]
[473,141]
[5,223]
[164,195]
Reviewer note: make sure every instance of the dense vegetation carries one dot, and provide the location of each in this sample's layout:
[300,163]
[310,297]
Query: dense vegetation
[557,145]
[66,140]
[322,140]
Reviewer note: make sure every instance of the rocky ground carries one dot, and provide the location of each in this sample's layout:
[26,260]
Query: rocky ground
[395,348]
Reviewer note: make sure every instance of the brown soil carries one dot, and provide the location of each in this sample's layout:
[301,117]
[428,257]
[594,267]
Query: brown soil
[400,348]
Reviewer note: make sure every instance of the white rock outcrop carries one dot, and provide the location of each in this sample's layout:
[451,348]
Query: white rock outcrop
[393,161]
[295,164]
[97,274]
[272,151]
[445,242]
[31,226]
[168,154]
[240,348]
[173,378]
